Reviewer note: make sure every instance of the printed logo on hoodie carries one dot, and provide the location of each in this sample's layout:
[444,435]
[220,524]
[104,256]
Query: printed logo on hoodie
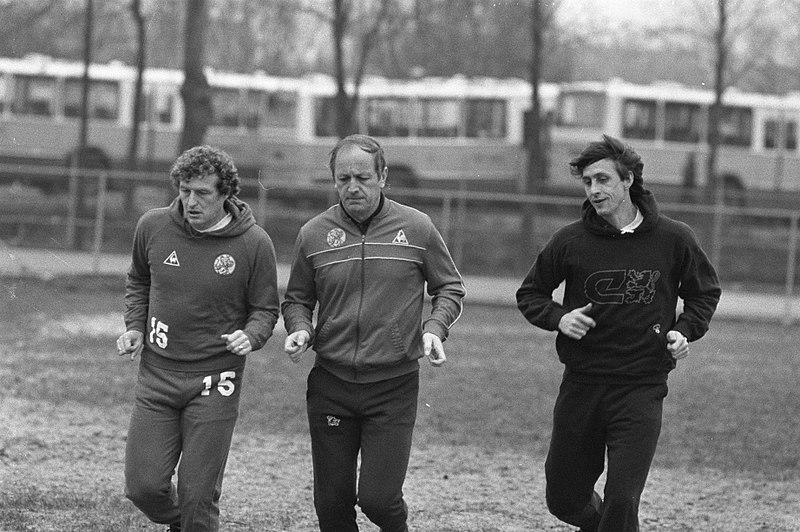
[617,287]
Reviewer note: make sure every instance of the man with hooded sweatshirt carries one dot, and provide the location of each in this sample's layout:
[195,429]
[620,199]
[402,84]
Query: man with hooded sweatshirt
[625,266]
[201,293]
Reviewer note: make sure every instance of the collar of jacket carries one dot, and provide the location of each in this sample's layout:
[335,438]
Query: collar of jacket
[363,226]
[243,218]
[596,224]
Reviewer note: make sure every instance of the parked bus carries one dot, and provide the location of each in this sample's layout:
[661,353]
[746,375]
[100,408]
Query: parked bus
[454,130]
[667,123]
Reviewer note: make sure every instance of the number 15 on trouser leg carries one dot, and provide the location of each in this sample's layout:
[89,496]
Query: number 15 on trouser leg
[165,427]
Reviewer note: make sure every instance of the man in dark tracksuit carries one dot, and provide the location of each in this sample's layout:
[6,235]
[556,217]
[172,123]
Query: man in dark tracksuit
[366,262]
[625,267]
[201,294]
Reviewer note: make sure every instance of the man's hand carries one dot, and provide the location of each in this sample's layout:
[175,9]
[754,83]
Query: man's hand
[296,344]
[433,348]
[677,345]
[575,324]
[237,342]
[130,343]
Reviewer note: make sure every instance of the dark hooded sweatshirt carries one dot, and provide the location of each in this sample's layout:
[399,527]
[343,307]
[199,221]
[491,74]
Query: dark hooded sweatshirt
[185,289]
[633,281]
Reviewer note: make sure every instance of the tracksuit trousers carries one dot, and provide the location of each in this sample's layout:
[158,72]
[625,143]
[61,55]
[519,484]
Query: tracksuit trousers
[376,419]
[187,417]
[591,421]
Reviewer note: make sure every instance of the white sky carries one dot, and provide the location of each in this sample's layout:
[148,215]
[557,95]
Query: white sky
[618,13]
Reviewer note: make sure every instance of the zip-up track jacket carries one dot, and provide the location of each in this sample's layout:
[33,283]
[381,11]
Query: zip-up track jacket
[370,290]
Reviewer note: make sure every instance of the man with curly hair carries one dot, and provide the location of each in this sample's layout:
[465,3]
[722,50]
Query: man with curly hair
[201,293]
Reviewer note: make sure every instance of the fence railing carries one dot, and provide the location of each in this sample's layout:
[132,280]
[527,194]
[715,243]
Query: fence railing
[488,233]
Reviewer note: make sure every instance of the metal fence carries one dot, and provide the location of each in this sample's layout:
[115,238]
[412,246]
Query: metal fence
[495,234]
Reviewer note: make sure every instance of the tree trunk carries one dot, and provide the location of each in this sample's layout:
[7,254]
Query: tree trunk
[536,168]
[195,90]
[344,119]
[132,161]
[713,183]
[141,46]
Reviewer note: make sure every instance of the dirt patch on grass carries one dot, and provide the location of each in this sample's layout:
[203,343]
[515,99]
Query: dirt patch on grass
[62,471]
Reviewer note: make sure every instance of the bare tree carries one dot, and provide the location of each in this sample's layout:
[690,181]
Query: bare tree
[195,90]
[87,60]
[734,52]
[715,111]
[357,26]
[537,132]
[343,19]
[141,51]
[542,13]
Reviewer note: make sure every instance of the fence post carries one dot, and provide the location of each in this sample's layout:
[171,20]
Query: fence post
[458,224]
[790,270]
[261,211]
[99,220]
[72,205]
[717,224]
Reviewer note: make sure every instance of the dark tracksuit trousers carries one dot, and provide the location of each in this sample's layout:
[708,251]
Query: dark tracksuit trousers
[376,419]
[590,421]
[186,416]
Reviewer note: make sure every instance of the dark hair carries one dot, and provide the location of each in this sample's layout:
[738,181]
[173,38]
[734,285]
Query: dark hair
[366,143]
[625,160]
[201,161]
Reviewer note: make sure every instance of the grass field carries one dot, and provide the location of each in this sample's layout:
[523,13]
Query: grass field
[728,458]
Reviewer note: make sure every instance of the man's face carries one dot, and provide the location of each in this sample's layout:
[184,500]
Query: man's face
[203,205]
[605,190]
[357,182]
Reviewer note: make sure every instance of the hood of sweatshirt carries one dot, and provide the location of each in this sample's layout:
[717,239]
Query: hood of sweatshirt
[598,225]
[241,212]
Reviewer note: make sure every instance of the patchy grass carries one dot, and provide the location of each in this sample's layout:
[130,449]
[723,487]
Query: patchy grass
[727,459]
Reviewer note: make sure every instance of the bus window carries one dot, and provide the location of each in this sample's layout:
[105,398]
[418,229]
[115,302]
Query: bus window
[103,99]
[639,119]
[736,126]
[682,122]
[34,95]
[772,134]
[3,93]
[159,106]
[388,117]
[281,109]
[72,98]
[325,117]
[439,118]
[791,135]
[486,119]
[581,110]
[225,107]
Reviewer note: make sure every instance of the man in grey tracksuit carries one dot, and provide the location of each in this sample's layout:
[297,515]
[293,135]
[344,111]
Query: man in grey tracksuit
[366,262]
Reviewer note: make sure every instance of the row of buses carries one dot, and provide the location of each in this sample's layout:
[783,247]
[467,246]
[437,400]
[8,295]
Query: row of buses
[456,130]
